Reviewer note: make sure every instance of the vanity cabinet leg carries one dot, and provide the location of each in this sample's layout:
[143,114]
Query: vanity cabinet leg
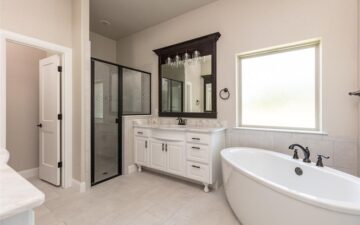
[206,188]
[139,168]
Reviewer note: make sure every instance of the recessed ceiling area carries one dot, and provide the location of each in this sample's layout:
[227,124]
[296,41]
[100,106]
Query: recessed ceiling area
[119,18]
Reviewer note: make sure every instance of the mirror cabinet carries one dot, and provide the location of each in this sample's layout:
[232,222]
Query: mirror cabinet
[187,78]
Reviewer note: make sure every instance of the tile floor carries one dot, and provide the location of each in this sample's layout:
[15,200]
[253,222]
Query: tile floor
[139,199]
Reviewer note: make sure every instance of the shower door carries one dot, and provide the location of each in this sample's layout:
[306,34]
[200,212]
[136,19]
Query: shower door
[106,121]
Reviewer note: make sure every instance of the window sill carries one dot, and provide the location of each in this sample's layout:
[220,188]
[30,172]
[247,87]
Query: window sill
[282,130]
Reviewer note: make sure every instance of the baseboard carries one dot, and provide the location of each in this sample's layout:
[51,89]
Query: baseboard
[81,186]
[131,169]
[34,172]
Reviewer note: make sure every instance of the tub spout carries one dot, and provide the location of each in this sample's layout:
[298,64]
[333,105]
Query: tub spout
[306,152]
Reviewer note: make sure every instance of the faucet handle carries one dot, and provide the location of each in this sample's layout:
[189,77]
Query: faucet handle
[319,160]
[295,156]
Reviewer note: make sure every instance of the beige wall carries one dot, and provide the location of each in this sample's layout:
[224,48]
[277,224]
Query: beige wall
[102,47]
[22,101]
[81,70]
[359,82]
[250,25]
[49,20]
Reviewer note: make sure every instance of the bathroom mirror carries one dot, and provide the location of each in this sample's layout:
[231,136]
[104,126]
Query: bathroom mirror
[187,78]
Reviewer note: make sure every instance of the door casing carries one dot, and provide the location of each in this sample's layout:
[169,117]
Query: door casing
[66,98]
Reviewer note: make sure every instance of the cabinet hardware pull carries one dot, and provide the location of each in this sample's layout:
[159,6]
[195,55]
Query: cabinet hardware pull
[193,147]
[198,139]
[145,144]
[166,147]
[140,132]
[197,167]
[162,147]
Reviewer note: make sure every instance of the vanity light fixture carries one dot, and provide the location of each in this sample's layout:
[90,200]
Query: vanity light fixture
[168,61]
[187,58]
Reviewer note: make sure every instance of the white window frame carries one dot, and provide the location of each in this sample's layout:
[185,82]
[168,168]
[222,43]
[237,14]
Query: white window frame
[318,85]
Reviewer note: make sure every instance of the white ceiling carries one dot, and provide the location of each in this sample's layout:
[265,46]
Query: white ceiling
[130,16]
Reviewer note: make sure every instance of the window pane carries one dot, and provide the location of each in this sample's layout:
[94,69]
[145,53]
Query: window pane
[279,89]
[136,92]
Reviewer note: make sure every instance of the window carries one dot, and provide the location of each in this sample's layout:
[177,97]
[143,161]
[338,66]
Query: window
[280,88]
[136,92]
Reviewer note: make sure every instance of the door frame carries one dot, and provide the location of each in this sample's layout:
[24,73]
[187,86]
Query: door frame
[66,96]
[119,116]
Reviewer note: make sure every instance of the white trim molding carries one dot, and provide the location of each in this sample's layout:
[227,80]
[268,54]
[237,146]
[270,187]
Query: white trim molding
[132,169]
[29,173]
[66,101]
[81,186]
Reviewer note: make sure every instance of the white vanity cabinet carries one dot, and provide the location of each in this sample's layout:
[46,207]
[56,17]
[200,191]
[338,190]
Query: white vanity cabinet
[141,147]
[189,153]
[141,151]
[157,155]
[168,156]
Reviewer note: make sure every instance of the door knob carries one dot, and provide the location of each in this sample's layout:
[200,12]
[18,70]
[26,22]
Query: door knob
[39,125]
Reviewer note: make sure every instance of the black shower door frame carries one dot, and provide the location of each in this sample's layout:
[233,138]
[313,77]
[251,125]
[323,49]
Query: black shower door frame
[119,122]
[119,117]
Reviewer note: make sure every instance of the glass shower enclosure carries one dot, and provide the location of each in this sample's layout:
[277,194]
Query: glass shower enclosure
[108,93]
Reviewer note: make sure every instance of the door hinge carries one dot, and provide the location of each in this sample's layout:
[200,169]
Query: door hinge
[59,68]
[60,165]
[60,116]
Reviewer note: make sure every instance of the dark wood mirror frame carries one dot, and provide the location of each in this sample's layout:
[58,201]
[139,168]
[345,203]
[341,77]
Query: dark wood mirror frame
[207,46]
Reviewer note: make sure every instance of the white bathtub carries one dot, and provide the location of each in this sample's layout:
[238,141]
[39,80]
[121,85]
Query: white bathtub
[263,189]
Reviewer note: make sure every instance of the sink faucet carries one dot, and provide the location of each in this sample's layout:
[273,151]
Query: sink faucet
[181,121]
[305,150]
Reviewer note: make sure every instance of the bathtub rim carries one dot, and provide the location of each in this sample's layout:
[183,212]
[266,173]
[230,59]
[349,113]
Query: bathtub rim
[327,204]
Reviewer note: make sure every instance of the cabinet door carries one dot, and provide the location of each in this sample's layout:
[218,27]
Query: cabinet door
[176,158]
[141,153]
[157,155]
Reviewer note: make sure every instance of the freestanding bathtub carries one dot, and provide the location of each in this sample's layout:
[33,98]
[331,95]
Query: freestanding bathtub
[263,189]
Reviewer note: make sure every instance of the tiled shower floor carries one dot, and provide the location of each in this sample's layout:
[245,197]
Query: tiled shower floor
[105,167]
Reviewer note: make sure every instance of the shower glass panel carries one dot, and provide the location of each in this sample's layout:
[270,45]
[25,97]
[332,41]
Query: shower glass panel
[136,92]
[105,122]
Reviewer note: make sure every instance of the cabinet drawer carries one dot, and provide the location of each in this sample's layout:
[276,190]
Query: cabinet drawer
[197,171]
[198,153]
[141,132]
[198,138]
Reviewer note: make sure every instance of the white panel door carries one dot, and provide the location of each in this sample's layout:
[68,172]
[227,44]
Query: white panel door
[49,124]
[157,155]
[175,158]
[141,153]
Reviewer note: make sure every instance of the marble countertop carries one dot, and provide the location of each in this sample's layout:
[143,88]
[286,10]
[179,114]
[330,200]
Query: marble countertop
[16,193]
[188,128]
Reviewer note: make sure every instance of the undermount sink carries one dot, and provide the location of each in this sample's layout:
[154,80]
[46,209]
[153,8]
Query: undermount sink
[4,156]
[173,126]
